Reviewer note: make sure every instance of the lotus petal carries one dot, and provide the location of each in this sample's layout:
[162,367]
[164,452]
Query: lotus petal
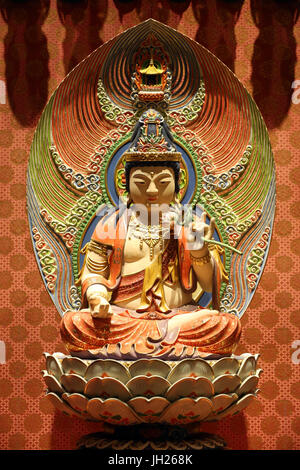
[216,415]
[226,365]
[77,401]
[226,383]
[73,383]
[235,407]
[187,410]
[223,401]
[242,403]
[149,367]
[58,355]
[62,405]
[248,367]
[247,355]
[149,409]
[248,385]
[148,386]
[74,365]
[52,383]
[107,368]
[53,366]
[191,368]
[190,387]
[107,387]
[112,411]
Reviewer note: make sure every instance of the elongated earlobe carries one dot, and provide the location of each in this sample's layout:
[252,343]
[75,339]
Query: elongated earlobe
[176,199]
[129,202]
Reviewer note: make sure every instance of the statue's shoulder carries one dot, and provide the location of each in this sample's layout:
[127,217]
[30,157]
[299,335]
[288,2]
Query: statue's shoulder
[107,229]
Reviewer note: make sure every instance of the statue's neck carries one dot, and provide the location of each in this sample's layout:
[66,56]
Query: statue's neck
[150,217]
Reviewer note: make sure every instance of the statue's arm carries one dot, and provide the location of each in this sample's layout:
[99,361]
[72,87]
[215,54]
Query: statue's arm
[96,269]
[201,257]
[203,267]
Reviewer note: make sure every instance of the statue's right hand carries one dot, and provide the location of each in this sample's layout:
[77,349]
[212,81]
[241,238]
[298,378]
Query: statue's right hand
[98,304]
[99,307]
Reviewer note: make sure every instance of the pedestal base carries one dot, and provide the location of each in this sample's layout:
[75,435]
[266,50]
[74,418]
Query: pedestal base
[142,437]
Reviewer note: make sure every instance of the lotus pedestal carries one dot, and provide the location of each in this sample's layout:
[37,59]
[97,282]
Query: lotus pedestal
[158,400]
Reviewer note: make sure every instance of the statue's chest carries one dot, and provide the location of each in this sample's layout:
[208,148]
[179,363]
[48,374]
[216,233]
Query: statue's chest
[136,249]
[142,245]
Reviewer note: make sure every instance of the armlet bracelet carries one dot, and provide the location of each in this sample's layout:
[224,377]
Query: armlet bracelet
[98,248]
[200,261]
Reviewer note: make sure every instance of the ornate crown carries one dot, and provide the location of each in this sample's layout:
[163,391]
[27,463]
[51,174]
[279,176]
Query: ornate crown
[152,140]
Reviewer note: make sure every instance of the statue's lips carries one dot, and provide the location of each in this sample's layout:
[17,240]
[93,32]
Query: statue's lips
[152,199]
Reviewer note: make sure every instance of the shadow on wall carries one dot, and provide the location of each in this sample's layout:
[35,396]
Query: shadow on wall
[166,11]
[217,20]
[82,19]
[26,58]
[126,7]
[26,54]
[274,54]
[274,57]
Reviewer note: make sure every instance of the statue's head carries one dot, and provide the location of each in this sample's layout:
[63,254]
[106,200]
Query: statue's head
[152,184]
[152,162]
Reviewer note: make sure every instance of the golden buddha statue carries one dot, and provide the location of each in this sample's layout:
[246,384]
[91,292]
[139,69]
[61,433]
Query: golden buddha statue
[142,267]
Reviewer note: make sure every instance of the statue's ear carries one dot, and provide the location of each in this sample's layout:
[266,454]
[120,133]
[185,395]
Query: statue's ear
[176,198]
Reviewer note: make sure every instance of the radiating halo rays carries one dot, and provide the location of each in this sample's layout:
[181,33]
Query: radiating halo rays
[120,65]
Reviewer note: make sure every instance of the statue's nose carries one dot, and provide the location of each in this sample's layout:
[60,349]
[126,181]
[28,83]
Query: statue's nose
[152,188]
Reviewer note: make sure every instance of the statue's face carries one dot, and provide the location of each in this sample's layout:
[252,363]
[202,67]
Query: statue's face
[152,185]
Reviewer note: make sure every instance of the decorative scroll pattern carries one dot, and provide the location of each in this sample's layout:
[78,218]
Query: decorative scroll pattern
[67,230]
[224,180]
[116,114]
[256,258]
[75,298]
[189,112]
[77,180]
[234,227]
[100,156]
[110,110]
[194,141]
[47,259]
[226,300]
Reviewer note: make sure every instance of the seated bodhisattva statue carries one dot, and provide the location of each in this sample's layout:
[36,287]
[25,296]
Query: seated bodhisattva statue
[144,263]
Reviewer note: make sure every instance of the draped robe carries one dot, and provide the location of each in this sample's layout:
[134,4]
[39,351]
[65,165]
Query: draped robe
[153,329]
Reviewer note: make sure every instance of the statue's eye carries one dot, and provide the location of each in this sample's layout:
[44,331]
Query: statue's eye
[140,182]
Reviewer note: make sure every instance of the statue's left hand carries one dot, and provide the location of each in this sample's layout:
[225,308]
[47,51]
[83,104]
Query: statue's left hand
[197,231]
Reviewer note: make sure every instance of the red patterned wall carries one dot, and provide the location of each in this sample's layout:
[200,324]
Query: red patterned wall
[41,41]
